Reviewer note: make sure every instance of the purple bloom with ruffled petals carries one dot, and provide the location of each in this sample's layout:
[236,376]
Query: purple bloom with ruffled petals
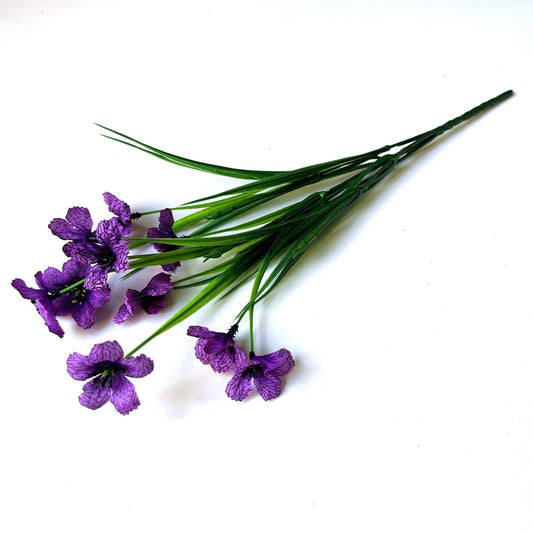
[109,370]
[79,302]
[52,299]
[151,298]
[76,227]
[164,231]
[216,349]
[265,370]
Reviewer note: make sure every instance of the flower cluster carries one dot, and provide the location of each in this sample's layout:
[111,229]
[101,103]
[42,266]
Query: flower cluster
[226,244]
[81,286]
[220,352]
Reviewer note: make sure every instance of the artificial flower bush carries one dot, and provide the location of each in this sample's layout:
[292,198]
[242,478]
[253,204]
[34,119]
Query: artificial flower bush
[236,245]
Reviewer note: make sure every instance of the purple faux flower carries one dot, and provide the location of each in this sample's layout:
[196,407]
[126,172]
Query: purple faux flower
[216,349]
[265,371]
[164,231]
[151,298]
[52,300]
[109,370]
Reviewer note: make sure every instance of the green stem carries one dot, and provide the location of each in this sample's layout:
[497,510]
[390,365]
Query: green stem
[73,286]
[183,161]
[291,233]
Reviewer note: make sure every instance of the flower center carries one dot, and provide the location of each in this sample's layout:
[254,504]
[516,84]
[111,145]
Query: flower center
[252,371]
[106,257]
[78,295]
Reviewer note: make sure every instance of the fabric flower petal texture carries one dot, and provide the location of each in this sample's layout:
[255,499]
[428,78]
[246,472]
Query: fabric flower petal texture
[109,370]
[121,209]
[164,231]
[216,349]
[151,299]
[264,370]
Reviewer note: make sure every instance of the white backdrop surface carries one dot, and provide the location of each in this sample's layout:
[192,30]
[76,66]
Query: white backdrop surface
[411,404]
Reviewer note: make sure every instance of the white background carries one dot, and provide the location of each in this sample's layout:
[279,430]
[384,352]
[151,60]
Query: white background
[411,405]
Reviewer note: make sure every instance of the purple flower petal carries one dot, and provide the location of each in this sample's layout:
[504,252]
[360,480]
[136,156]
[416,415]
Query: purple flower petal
[118,207]
[45,309]
[268,386]
[82,251]
[73,270]
[239,386]
[84,315]
[100,296]
[27,292]
[170,267]
[123,313]
[80,218]
[123,396]
[137,367]
[96,393]
[108,232]
[153,304]
[62,228]
[52,279]
[164,231]
[224,359]
[97,278]
[79,367]
[166,221]
[132,300]
[217,352]
[200,352]
[78,224]
[121,251]
[160,284]
[276,363]
[108,351]
[200,331]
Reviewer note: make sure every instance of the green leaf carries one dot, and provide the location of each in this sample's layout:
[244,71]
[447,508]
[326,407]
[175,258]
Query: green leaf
[189,163]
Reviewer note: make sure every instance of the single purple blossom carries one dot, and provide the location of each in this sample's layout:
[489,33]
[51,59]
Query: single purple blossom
[61,293]
[151,298]
[265,370]
[216,349]
[79,302]
[164,231]
[109,370]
